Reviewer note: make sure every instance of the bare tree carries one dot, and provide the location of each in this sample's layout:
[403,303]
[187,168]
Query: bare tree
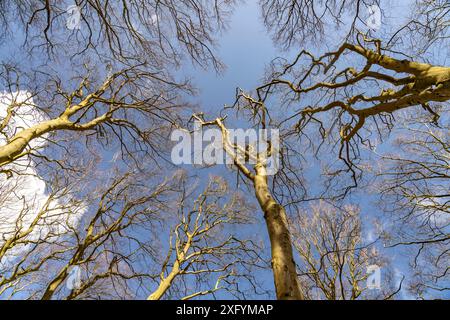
[110,86]
[430,278]
[116,88]
[256,174]
[350,98]
[294,22]
[345,104]
[198,246]
[415,189]
[334,256]
[116,81]
[155,31]
[111,109]
[298,22]
[111,242]
[34,229]
[427,28]
[354,108]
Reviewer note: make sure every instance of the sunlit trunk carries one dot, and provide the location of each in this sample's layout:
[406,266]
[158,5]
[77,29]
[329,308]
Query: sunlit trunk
[283,265]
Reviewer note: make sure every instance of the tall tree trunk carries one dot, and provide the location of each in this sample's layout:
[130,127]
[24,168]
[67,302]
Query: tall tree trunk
[166,283]
[284,270]
[55,284]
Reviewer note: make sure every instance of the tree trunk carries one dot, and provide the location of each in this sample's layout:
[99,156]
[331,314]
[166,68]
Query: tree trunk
[284,270]
[55,284]
[165,284]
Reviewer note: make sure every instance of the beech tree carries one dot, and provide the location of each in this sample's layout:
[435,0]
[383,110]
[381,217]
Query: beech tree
[198,247]
[414,186]
[344,93]
[87,120]
[293,22]
[104,245]
[118,79]
[255,173]
[353,110]
[335,257]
